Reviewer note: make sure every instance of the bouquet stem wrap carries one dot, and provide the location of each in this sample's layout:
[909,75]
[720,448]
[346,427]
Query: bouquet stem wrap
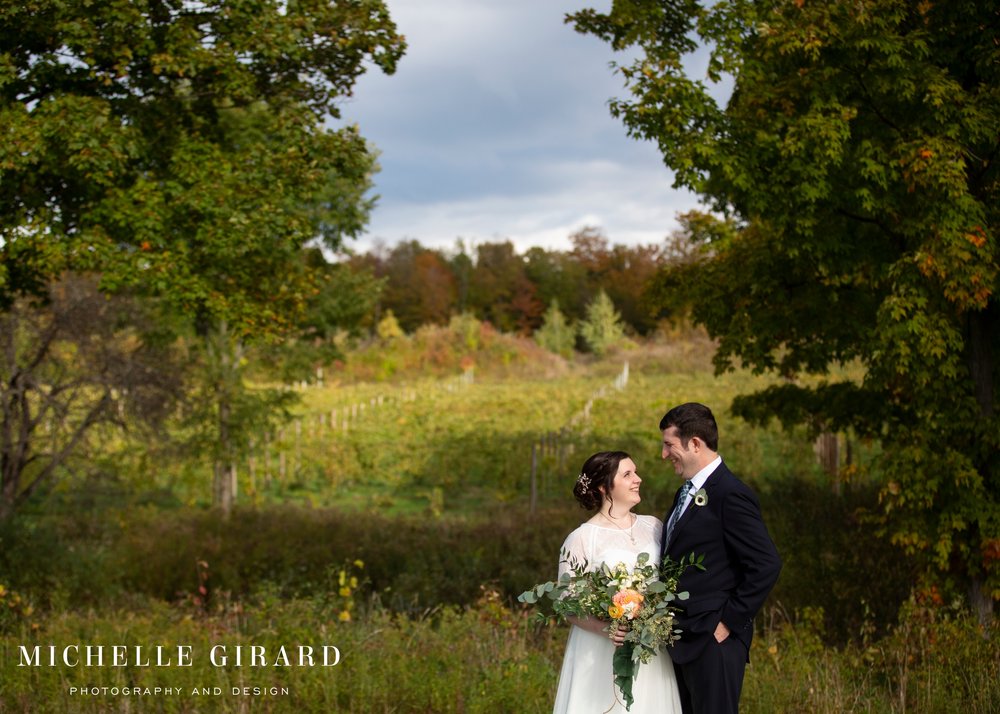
[625,668]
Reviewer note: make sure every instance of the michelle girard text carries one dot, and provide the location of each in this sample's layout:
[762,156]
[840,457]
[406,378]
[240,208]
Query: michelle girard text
[177,656]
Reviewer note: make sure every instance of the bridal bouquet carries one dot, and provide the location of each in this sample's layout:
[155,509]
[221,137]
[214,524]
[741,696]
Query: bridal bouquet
[640,598]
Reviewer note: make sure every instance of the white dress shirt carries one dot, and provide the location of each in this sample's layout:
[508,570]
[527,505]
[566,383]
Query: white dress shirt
[699,479]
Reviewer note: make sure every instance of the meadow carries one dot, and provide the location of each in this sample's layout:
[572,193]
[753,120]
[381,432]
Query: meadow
[404,537]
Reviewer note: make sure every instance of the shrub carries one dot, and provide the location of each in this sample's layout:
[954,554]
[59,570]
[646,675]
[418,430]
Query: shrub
[292,548]
[833,558]
[603,328]
[556,334]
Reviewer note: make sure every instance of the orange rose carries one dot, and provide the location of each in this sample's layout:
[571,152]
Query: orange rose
[629,602]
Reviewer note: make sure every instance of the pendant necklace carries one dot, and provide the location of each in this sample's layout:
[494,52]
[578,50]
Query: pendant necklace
[628,531]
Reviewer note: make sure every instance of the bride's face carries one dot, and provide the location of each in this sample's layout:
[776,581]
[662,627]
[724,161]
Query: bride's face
[625,487]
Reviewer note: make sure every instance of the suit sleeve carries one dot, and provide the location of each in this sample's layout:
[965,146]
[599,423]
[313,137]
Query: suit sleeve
[753,554]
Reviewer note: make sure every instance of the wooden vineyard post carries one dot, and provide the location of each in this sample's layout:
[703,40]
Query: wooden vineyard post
[252,467]
[267,460]
[297,463]
[534,488]
[562,452]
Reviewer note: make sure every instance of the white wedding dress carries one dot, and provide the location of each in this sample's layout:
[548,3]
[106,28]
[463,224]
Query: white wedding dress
[586,681]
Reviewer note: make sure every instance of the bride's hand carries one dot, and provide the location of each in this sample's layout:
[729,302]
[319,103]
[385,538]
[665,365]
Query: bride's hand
[619,636]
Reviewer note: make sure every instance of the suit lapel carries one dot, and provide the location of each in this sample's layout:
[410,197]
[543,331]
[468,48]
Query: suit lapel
[689,512]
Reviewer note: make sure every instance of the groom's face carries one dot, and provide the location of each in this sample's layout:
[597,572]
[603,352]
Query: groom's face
[684,458]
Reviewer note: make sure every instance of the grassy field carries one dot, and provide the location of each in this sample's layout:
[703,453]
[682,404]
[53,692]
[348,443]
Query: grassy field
[424,501]
[453,446]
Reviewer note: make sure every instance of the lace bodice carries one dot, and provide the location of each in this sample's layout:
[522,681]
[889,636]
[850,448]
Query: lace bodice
[599,544]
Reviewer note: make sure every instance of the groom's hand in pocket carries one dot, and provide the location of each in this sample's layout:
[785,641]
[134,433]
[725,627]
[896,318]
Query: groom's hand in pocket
[721,633]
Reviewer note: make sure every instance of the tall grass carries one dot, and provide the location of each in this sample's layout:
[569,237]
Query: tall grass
[483,658]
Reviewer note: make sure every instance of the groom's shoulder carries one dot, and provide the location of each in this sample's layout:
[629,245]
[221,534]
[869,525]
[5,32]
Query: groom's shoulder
[724,475]
[729,481]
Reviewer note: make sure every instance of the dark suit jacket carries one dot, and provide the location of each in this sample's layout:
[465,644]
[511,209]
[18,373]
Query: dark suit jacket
[741,564]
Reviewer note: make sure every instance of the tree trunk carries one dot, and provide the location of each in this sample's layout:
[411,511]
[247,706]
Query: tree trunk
[222,497]
[6,506]
[980,601]
[827,448]
[15,439]
[10,475]
[225,363]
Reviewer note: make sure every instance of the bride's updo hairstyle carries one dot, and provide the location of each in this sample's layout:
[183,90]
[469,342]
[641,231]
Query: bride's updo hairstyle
[596,478]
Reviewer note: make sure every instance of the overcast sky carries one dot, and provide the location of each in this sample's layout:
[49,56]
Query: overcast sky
[496,126]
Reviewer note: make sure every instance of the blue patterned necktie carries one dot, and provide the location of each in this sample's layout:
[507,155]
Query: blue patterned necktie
[679,508]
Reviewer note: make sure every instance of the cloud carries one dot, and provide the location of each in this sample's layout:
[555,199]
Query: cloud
[496,125]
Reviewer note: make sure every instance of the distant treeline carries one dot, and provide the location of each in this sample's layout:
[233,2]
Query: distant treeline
[496,284]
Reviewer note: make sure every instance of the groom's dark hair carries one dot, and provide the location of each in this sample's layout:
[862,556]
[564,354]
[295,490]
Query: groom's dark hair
[692,419]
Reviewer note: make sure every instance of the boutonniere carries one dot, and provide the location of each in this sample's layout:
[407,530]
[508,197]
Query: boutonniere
[700,497]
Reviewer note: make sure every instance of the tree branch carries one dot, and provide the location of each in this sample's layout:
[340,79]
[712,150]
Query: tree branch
[57,459]
[897,239]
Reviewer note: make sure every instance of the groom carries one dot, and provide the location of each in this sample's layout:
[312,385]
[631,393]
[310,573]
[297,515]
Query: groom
[715,515]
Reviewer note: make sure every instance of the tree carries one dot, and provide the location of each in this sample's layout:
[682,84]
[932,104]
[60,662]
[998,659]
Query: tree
[343,300]
[389,329]
[181,148]
[224,415]
[621,271]
[420,287]
[184,151]
[70,365]
[342,303]
[590,254]
[558,277]
[556,334]
[603,328]
[630,270]
[858,157]
[672,290]
[461,267]
[500,291]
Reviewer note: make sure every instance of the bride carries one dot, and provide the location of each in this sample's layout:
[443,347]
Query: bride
[609,485]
